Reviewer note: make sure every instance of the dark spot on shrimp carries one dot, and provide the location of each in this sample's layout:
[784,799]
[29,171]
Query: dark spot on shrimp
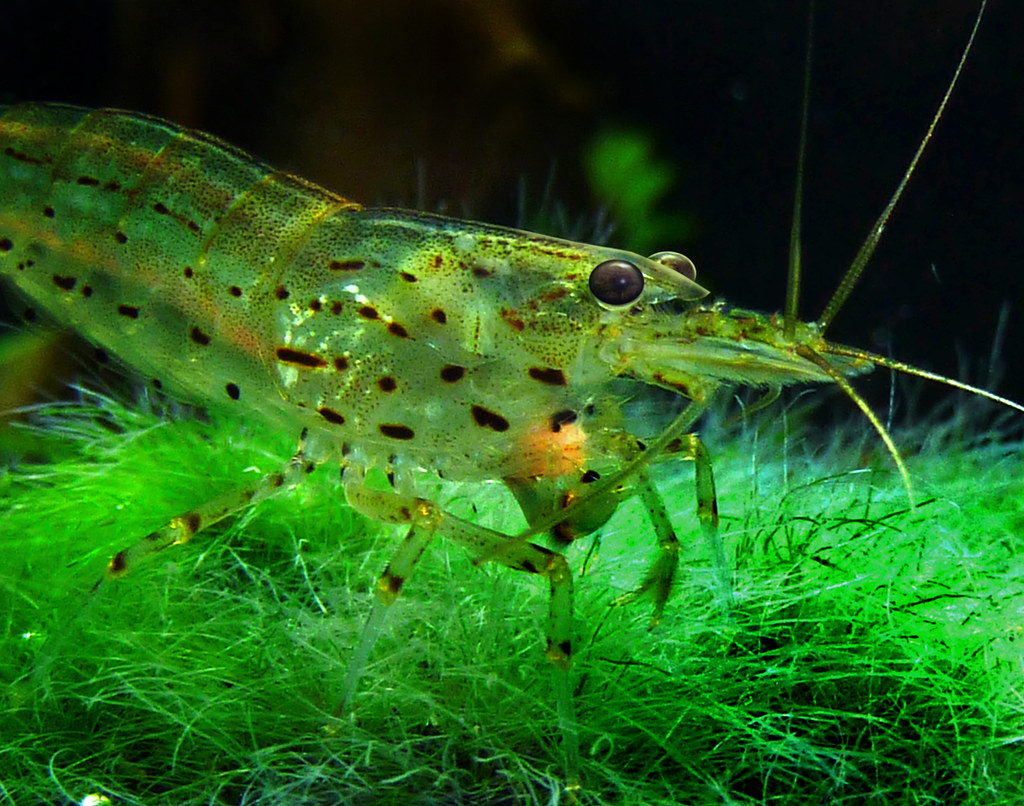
[21,156]
[409,278]
[281,292]
[157,383]
[450,373]
[590,477]
[6,245]
[189,273]
[200,338]
[486,418]
[120,237]
[64,282]
[396,329]
[233,391]
[192,522]
[49,212]
[161,209]
[235,291]
[369,312]
[513,321]
[394,582]
[394,431]
[298,358]
[117,563]
[387,384]
[88,181]
[548,375]
[560,418]
[331,415]
[439,316]
[316,305]
[337,308]
[130,311]
[354,264]
[341,363]
[564,532]
[86,291]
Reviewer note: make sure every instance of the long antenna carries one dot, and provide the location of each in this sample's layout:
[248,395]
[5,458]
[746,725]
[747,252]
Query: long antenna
[793,281]
[868,247]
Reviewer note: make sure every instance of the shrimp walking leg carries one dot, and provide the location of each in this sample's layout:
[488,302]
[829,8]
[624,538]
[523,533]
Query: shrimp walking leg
[426,520]
[182,528]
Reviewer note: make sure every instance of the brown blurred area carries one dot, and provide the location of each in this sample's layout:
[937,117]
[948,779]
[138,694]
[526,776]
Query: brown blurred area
[446,104]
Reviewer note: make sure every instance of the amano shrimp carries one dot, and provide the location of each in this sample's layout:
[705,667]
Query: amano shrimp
[390,340]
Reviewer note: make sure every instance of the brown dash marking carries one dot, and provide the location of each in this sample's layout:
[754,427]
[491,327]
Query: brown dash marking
[21,156]
[64,282]
[353,264]
[439,316]
[396,329]
[281,292]
[486,418]
[513,321]
[200,338]
[560,418]
[368,312]
[451,373]
[341,363]
[331,415]
[387,384]
[88,181]
[548,375]
[287,355]
[337,308]
[395,431]
[409,278]
[120,237]
[117,563]
[235,291]
[130,311]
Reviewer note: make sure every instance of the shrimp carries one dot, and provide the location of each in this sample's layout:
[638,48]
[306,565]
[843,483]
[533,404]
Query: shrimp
[397,341]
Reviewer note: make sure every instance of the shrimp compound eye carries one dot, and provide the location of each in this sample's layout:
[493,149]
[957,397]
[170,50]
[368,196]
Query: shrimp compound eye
[677,262]
[616,283]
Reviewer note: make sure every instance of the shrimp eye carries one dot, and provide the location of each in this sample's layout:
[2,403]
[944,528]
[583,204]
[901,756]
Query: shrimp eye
[677,262]
[616,282]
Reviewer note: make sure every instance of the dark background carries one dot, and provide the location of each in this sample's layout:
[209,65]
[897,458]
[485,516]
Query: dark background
[461,106]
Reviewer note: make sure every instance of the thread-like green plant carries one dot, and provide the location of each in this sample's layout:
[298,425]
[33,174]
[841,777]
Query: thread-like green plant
[875,654]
